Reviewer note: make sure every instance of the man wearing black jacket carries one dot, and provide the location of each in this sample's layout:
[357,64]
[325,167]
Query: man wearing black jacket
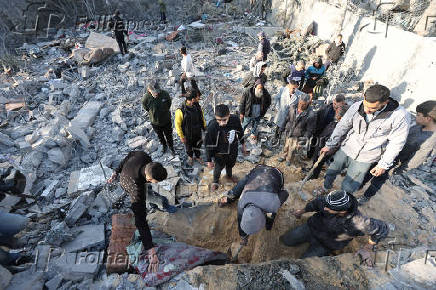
[260,195]
[335,223]
[254,103]
[223,134]
[135,171]
[334,51]
[119,31]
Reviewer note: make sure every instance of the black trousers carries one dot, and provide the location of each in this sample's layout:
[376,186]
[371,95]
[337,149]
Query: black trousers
[165,134]
[300,235]
[193,146]
[182,81]
[221,162]
[121,43]
[163,17]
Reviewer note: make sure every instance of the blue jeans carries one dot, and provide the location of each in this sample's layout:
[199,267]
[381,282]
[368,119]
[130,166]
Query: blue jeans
[10,224]
[250,120]
[356,172]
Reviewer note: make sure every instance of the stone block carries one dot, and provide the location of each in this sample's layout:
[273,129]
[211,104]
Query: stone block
[78,266]
[29,280]
[55,282]
[79,135]
[49,190]
[56,155]
[79,207]
[90,236]
[86,178]
[137,142]
[86,115]
[105,199]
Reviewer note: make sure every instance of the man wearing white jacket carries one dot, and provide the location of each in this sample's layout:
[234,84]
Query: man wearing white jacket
[373,131]
[188,71]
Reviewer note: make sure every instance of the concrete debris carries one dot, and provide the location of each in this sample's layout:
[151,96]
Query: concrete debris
[79,207]
[86,178]
[55,282]
[90,236]
[5,277]
[86,116]
[28,279]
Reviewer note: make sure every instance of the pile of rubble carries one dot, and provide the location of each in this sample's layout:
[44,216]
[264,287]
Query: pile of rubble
[66,131]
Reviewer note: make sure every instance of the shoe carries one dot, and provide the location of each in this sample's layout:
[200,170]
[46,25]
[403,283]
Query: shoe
[363,199]
[288,163]
[234,179]
[214,186]
[281,159]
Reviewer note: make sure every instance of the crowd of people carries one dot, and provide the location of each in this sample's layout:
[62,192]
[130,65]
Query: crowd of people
[366,139]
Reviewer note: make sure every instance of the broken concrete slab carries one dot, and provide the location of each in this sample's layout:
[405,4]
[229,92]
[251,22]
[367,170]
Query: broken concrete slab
[78,266]
[56,155]
[55,282]
[86,178]
[5,277]
[98,40]
[90,236]
[29,280]
[137,142]
[79,207]
[86,115]
[79,135]
[6,140]
[49,190]
[105,199]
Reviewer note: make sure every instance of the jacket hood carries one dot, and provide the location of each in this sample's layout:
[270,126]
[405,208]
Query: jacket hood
[391,106]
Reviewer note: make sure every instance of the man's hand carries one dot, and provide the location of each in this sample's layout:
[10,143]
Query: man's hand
[112,178]
[241,117]
[377,171]
[366,254]
[223,201]
[298,213]
[210,165]
[183,140]
[244,150]
[325,149]
[153,261]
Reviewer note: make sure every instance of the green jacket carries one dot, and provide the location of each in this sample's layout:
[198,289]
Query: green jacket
[158,108]
[162,6]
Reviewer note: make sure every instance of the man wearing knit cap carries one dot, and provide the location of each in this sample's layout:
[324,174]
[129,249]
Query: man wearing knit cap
[253,106]
[260,195]
[264,47]
[335,223]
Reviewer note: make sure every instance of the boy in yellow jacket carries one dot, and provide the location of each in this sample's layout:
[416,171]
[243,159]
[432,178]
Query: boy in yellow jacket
[189,123]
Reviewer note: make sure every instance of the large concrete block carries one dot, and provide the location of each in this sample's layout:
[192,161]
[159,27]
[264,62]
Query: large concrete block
[79,207]
[86,178]
[90,236]
[5,277]
[86,115]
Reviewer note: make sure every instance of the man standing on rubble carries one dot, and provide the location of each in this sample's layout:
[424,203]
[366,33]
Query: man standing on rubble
[264,47]
[335,223]
[157,103]
[223,134]
[189,123]
[260,195]
[119,31]
[374,131]
[163,10]
[299,127]
[334,51]
[287,96]
[188,71]
[135,171]
[253,106]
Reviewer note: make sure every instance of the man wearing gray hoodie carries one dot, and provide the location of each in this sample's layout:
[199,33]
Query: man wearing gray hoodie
[374,131]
